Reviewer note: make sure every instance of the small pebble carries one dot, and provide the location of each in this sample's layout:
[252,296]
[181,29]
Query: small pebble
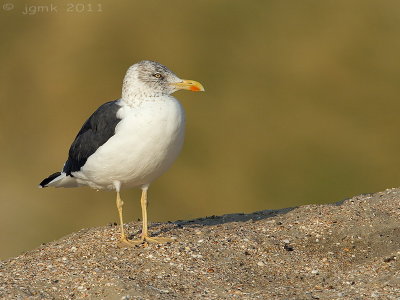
[81,288]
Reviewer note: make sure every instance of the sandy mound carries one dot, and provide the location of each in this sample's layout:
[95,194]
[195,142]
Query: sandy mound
[347,250]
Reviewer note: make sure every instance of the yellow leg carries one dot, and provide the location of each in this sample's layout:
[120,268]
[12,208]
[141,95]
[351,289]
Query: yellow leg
[145,236]
[143,204]
[123,239]
[121,222]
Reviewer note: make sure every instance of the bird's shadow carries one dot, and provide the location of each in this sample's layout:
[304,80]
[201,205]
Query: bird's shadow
[219,220]
[228,218]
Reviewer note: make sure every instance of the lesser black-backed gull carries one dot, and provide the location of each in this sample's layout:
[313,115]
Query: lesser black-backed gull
[131,141]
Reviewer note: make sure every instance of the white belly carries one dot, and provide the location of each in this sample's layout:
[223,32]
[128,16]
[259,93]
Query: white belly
[146,142]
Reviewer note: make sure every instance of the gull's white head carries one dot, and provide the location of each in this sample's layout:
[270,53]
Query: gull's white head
[151,79]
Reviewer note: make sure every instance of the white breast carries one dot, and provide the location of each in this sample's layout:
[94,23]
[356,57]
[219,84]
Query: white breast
[146,142]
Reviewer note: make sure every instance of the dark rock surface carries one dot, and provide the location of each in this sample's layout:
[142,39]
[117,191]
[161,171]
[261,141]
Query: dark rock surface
[347,250]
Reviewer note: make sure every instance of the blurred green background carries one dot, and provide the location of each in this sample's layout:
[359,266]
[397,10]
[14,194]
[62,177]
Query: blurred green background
[301,105]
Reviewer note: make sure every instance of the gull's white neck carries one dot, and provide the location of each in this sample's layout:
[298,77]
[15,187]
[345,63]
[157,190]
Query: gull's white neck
[134,91]
[137,96]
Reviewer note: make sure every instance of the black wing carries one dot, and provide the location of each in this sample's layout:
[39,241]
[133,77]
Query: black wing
[94,133]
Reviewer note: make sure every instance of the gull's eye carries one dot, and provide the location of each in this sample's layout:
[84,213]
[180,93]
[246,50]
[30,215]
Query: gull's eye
[157,75]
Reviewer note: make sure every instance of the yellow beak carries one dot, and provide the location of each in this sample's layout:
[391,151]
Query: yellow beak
[190,85]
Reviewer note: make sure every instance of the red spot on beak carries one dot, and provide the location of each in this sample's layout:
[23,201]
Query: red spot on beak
[194,88]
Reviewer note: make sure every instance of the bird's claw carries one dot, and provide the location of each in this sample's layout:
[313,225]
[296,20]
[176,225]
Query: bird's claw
[124,242]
